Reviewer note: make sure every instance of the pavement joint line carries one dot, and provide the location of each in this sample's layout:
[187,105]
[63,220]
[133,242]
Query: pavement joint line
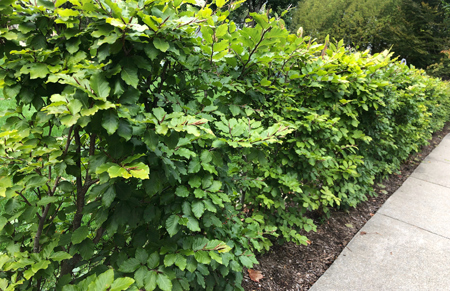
[417,178]
[437,159]
[415,226]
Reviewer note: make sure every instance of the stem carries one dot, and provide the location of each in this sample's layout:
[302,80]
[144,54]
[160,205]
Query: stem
[24,198]
[80,191]
[254,50]
[40,228]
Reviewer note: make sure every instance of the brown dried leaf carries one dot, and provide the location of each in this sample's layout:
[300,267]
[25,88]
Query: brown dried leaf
[255,275]
[363,233]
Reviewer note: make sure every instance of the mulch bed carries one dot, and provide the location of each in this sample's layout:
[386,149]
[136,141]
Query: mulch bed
[293,267]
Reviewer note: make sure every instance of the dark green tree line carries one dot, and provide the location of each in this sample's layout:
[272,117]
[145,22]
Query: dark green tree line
[412,29]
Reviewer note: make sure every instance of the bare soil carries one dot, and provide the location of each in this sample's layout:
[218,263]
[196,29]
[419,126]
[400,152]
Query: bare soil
[293,267]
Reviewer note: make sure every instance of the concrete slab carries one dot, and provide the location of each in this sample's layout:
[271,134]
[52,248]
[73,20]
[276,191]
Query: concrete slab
[434,171]
[422,204]
[392,255]
[442,152]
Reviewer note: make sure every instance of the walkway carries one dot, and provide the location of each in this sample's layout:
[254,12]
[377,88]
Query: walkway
[406,244]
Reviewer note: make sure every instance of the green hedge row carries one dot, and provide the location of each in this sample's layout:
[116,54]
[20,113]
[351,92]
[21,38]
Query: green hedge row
[168,146]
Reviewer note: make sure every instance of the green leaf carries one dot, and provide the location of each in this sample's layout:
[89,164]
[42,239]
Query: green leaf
[40,265]
[169,259]
[159,113]
[125,130]
[151,139]
[38,71]
[202,257]
[161,44]
[80,234]
[110,121]
[141,255]
[121,284]
[246,261]
[222,30]
[206,156]
[75,106]
[108,196]
[116,22]
[129,265]
[195,181]
[47,200]
[37,181]
[66,186]
[153,260]
[164,283]
[117,171]
[130,75]
[139,170]
[59,256]
[103,281]
[182,191]
[172,224]
[180,262]
[150,281]
[3,222]
[194,166]
[86,249]
[140,275]
[198,208]
[193,224]
[27,274]
[100,86]
[216,257]
[215,186]
[220,3]
[191,265]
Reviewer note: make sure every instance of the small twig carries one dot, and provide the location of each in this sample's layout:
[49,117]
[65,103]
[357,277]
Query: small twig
[24,198]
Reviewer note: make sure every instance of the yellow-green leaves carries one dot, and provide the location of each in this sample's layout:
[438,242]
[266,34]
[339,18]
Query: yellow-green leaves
[36,70]
[221,3]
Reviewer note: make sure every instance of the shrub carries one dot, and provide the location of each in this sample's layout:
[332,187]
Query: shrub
[166,146]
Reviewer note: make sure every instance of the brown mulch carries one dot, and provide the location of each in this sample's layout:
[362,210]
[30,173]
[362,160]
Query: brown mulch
[292,267]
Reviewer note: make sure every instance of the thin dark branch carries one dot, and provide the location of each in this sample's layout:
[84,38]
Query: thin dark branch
[80,191]
[36,247]
[24,198]
[254,50]
[98,235]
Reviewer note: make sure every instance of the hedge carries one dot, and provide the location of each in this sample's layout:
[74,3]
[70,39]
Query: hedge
[167,146]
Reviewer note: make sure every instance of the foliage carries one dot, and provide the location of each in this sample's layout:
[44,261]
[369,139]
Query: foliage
[283,8]
[158,159]
[414,30]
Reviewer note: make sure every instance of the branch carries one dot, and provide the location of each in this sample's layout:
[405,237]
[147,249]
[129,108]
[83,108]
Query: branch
[254,49]
[24,198]
[68,140]
[40,228]
[80,193]
[99,235]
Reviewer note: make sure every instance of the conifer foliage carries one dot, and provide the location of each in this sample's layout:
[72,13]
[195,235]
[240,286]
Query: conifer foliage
[414,30]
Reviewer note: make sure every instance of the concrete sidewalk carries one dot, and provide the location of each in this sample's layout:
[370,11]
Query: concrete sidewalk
[406,244]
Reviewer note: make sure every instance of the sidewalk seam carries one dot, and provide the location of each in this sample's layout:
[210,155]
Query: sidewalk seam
[435,159]
[417,178]
[414,226]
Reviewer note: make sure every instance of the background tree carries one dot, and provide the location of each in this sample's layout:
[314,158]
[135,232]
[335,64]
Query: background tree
[412,29]
[277,6]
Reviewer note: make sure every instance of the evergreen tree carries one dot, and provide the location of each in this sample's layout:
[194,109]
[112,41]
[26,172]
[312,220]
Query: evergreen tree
[413,29]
